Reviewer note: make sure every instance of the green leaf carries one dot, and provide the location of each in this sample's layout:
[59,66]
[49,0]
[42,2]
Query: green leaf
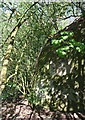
[66,48]
[72,40]
[71,46]
[34,102]
[14,85]
[53,31]
[57,41]
[78,49]
[69,11]
[65,8]
[63,53]
[61,14]
[65,32]
[53,41]
[71,33]
[60,52]
[65,37]
[57,51]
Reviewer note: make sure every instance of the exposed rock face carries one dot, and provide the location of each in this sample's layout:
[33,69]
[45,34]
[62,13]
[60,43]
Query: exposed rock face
[62,67]
[63,79]
[48,54]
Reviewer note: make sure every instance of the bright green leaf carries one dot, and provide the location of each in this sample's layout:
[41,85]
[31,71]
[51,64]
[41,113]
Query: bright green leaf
[78,49]
[71,33]
[63,53]
[65,32]
[65,37]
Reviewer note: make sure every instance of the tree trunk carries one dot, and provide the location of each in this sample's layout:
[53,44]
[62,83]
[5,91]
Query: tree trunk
[6,60]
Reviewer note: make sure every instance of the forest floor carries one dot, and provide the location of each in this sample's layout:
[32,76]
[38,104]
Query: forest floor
[20,110]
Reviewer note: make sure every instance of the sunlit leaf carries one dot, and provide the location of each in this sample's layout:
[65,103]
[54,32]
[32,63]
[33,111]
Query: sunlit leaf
[65,37]
[65,32]
[78,49]
[63,53]
[71,33]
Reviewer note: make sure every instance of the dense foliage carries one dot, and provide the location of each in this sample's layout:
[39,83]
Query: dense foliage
[42,46]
